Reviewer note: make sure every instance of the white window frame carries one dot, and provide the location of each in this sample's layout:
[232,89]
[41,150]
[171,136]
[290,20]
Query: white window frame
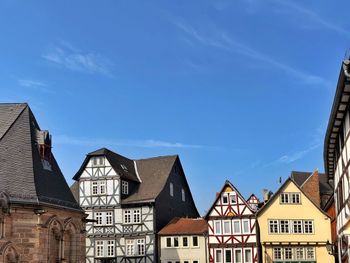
[110,251]
[222,198]
[225,259]
[100,161]
[297,256]
[284,229]
[251,255]
[307,250]
[294,200]
[127,217]
[193,245]
[275,226]
[217,230]
[99,248]
[104,247]
[234,255]
[229,227]
[248,224]
[218,259]
[109,218]
[125,187]
[277,251]
[183,243]
[166,242]
[99,186]
[132,216]
[177,243]
[99,218]
[239,226]
[135,247]
[233,198]
[298,224]
[136,216]
[285,253]
[284,198]
[306,226]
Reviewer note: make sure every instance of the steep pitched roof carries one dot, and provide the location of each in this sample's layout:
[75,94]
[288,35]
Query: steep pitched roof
[117,161]
[154,173]
[218,195]
[185,226]
[22,175]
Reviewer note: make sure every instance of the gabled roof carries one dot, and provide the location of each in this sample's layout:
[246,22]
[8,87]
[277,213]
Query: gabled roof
[227,183]
[276,195]
[154,173]
[150,175]
[117,162]
[185,226]
[22,175]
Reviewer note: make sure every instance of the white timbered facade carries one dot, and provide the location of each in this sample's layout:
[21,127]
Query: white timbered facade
[122,223]
[231,228]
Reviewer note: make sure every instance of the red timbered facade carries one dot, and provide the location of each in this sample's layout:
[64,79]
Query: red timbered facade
[232,228]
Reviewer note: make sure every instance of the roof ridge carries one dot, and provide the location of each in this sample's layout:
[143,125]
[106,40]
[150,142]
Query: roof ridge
[157,157]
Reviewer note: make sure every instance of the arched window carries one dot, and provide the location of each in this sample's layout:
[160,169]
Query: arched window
[55,237]
[10,255]
[70,243]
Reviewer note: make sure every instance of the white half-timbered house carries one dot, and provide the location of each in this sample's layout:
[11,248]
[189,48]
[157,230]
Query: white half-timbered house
[231,228]
[128,202]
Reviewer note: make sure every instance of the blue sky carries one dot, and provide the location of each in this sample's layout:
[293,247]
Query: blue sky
[241,90]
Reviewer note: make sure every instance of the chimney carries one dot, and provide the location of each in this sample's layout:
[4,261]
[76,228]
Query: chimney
[311,187]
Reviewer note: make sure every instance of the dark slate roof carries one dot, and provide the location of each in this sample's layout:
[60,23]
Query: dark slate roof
[154,173]
[116,162]
[22,175]
[185,226]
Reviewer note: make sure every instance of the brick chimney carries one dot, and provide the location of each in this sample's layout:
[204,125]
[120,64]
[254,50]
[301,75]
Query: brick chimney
[311,187]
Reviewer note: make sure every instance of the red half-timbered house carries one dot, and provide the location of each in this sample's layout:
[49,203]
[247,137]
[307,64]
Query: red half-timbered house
[231,228]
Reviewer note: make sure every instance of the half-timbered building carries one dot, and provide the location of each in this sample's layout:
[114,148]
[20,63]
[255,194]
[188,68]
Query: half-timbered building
[128,202]
[40,221]
[232,228]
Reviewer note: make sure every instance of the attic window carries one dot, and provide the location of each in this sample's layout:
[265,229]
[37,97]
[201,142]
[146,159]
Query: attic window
[124,167]
[125,187]
[98,161]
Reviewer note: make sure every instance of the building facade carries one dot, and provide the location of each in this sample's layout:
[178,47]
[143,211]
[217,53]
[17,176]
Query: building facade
[40,221]
[336,158]
[128,202]
[293,228]
[184,240]
[232,228]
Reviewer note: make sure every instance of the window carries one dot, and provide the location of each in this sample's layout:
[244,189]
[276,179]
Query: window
[103,218]
[168,242]
[310,253]
[98,218]
[224,199]
[109,218]
[299,253]
[135,247]
[246,229]
[98,187]
[308,226]
[228,255]
[248,255]
[277,253]
[233,199]
[98,161]
[185,241]
[110,248]
[295,198]
[273,226]
[227,227]
[132,216]
[284,198]
[171,189]
[127,216]
[297,226]
[195,261]
[176,242]
[218,255]
[105,248]
[99,249]
[217,227]
[125,187]
[288,253]
[195,241]
[137,216]
[236,227]
[183,195]
[284,226]
[238,256]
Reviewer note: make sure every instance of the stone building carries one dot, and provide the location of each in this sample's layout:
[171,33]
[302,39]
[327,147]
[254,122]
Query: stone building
[40,221]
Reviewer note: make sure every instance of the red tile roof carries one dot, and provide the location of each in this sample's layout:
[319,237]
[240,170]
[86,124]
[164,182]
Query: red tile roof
[179,226]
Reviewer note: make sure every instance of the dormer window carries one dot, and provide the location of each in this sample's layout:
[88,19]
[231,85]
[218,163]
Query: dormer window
[98,161]
[124,167]
[43,140]
[125,187]
[225,199]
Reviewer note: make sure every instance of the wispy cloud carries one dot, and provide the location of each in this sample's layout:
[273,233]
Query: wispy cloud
[313,16]
[72,58]
[150,143]
[292,157]
[226,43]
[34,84]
